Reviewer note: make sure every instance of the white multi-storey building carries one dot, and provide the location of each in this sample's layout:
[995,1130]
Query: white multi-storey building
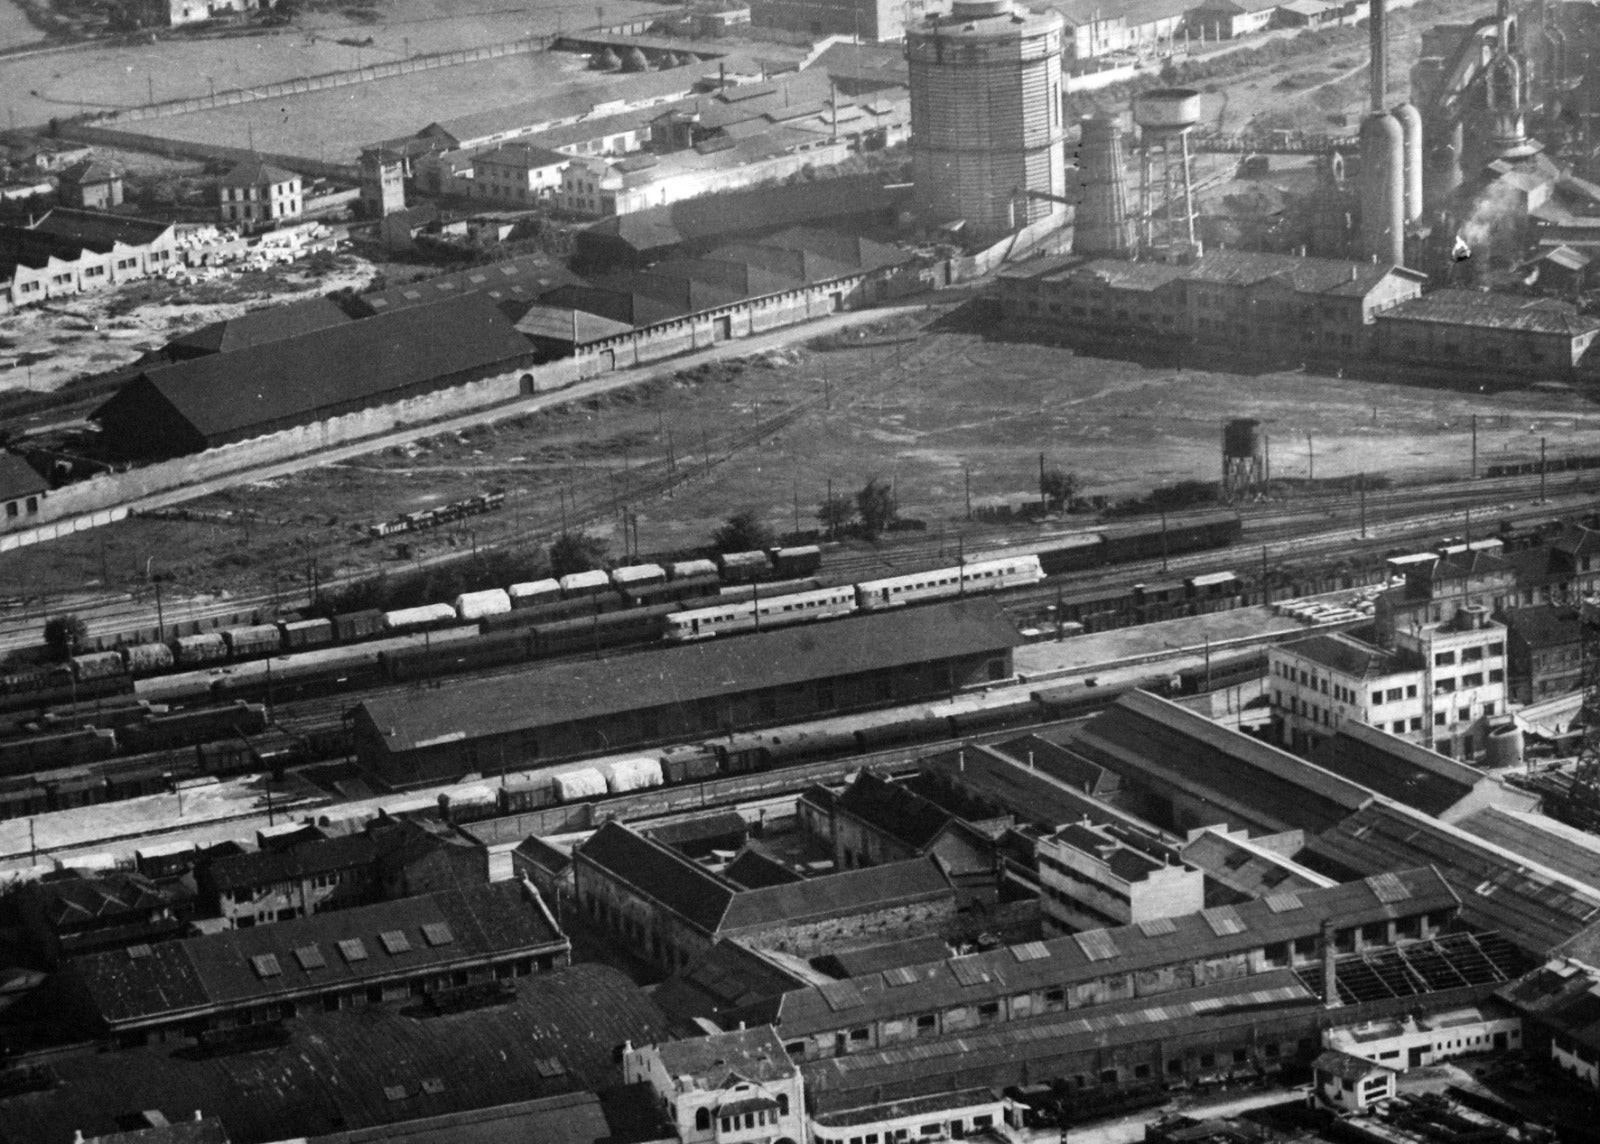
[1091,877]
[728,1088]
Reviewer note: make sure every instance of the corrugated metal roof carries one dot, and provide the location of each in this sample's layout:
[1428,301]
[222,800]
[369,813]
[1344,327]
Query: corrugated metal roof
[268,324]
[1126,949]
[1395,768]
[1493,311]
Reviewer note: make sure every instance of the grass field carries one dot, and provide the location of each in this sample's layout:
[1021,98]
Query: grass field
[35,88]
[922,411]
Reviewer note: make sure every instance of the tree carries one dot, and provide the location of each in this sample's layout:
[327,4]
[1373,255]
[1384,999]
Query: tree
[575,552]
[1059,489]
[876,506]
[836,513]
[744,531]
[66,635]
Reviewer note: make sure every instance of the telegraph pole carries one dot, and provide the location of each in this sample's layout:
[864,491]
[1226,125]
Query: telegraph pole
[1541,470]
[1474,447]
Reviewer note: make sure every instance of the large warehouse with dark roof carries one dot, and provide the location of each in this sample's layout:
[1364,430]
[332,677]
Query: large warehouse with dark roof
[560,711]
[225,397]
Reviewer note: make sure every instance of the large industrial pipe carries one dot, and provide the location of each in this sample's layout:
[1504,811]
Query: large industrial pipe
[1410,120]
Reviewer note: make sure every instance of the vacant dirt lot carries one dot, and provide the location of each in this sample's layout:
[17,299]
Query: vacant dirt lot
[64,83]
[920,411]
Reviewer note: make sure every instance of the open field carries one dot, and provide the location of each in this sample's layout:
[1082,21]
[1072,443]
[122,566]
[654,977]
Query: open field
[95,77]
[15,27]
[334,125]
[921,410]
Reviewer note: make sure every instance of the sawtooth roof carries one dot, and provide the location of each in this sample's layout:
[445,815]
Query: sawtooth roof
[1494,311]
[226,396]
[1142,736]
[557,1036]
[223,970]
[588,690]
[1499,888]
[1396,768]
[1067,961]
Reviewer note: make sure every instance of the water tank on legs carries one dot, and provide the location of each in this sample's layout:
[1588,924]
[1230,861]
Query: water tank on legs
[1383,204]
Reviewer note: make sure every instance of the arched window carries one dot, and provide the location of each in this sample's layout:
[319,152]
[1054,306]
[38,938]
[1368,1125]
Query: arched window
[702,1120]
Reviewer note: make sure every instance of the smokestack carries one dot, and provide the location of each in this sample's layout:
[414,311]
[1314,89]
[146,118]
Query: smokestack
[1377,19]
[1330,973]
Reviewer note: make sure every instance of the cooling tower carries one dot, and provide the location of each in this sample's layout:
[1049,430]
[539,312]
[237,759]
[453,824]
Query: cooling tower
[1102,225]
[988,143]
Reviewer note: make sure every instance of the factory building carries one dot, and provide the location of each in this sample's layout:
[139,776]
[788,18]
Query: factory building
[366,955]
[699,690]
[668,909]
[1537,337]
[1015,987]
[987,132]
[1258,303]
[1092,876]
[71,251]
[215,400]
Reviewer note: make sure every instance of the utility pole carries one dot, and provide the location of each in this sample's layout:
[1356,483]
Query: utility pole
[1541,470]
[161,623]
[1266,593]
[1163,541]
[1311,460]
[1362,489]
[830,509]
[1043,505]
[1474,447]
[966,472]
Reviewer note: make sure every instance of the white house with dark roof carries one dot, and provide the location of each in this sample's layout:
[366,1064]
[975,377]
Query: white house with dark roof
[728,1088]
[255,192]
[21,490]
[1319,683]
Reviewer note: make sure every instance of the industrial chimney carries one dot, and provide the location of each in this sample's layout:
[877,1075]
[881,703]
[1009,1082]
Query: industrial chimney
[1383,204]
[1102,226]
[1330,972]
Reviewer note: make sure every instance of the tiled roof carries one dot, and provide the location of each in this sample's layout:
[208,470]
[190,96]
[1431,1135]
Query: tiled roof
[1544,625]
[562,323]
[356,363]
[19,479]
[89,171]
[266,867]
[257,174]
[1058,762]
[1250,782]
[523,156]
[838,895]
[1065,962]
[1338,652]
[1494,311]
[588,690]
[1578,540]
[729,976]
[81,899]
[524,279]
[753,869]
[558,1035]
[268,324]
[1253,872]
[241,967]
[1395,768]
[715,825]
[893,810]
[660,873]
[1563,995]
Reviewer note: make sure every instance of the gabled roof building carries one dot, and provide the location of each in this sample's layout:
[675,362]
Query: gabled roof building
[346,958]
[669,909]
[221,398]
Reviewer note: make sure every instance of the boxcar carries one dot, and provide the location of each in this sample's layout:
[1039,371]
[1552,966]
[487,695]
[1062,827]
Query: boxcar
[353,626]
[305,633]
[145,658]
[799,561]
[532,592]
[253,640]
[207,648]
[742,567]
[97,665]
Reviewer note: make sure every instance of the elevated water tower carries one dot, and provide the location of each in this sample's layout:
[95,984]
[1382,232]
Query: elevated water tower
[1165,116]
[1244,466]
